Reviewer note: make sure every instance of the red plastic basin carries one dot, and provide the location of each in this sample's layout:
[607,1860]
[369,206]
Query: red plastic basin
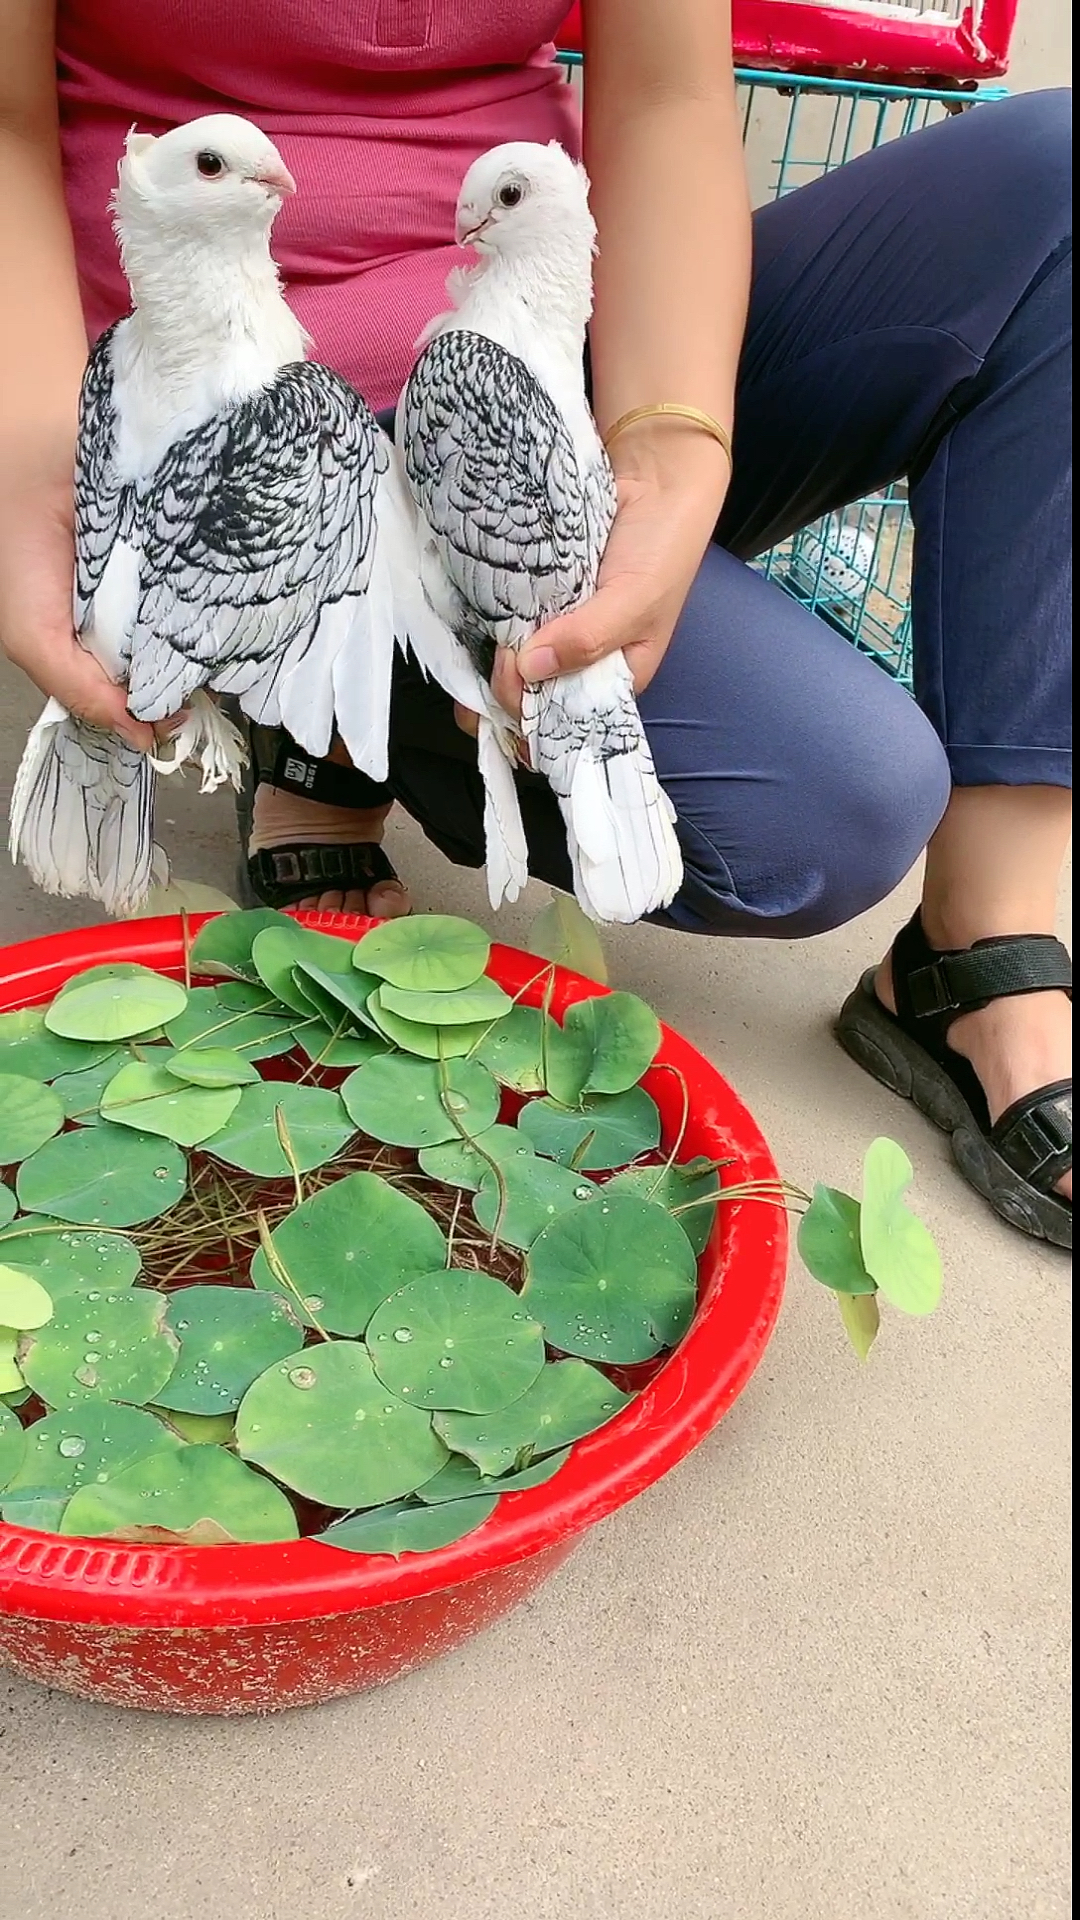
[257,1628]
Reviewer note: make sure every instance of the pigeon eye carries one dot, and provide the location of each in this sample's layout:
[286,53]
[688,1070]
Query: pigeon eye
[209,165]
[511,195]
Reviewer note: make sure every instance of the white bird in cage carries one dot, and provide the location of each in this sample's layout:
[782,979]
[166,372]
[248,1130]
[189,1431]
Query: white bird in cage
[837,564]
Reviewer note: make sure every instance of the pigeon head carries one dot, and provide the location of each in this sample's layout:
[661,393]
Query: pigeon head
[518,201]
[219,177]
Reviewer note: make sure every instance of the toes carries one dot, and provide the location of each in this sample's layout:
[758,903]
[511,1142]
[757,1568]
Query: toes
[331,902]
[389,900]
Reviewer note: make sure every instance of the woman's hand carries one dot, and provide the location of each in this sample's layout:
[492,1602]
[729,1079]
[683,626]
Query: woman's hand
[37,558]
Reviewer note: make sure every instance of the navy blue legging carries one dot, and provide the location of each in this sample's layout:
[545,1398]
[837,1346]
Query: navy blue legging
[910,317]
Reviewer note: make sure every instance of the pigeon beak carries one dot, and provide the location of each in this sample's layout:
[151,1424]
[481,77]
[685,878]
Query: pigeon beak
[469,227]
[276,178]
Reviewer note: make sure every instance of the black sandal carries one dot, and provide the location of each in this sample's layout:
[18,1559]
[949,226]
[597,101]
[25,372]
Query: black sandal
[1016,1162]
[280,876]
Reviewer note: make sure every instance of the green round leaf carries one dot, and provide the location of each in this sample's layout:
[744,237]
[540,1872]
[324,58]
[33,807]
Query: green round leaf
[689,1187]
[115,1006]
[514,1049]
[64,1258]
[476,1005]
[336,994]
[567,1401]
[177,1490]
[399,1528]
[563,933]
[405,1103]
[202,1429]
[24,1302]
[27,1047]
[210,1067]
[426,952]
[322,1422]
[455,1339]
[87,1442]
[622,1035]
[80,1093]
[608,1130]
[460,1480]
[149,1099]
[103,1176]
[460,1163]
[331,1047]
[349,1246]
[115,1347]
[12,1446]
[8,1205]
[244,1019]
[828,1242]
[34,1507]
[317,1123]
[223,946]
[613,1280]
[534,1192]
[430,1043]
[30,1113]
[279,949]
[228,1336]
[898,1249]
[13,1389]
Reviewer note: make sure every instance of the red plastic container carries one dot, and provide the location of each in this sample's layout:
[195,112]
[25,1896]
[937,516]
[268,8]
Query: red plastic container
[257,1628]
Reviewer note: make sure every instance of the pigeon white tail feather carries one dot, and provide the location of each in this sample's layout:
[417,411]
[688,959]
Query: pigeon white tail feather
[505,844]
[82,814]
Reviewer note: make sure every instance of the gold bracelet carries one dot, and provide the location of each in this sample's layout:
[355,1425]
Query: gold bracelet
[671,410]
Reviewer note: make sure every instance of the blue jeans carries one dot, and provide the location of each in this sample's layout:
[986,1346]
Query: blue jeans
[910,317]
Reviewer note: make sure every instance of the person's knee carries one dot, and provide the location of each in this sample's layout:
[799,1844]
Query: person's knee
[885,804]
[1026,158]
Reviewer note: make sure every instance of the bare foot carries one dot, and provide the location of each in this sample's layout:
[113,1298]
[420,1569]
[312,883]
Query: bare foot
[281,819]
[1014,1045]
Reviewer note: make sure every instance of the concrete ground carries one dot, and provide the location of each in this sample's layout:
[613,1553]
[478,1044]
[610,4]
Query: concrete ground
[819,1673]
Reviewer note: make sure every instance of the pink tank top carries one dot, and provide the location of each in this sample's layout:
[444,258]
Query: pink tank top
[378,107]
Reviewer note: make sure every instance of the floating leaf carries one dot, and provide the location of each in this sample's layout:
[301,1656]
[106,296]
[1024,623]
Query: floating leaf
[115,1007]
[244,1019]
[567,1401]
[460,1480]
[183,896]
[12,1446]
[568,1055]
[400,1528]
[317,1123]
[476,1005]
[461,1163]
[689,1186]
[151,1100]
[323,1423]
[224,945]
[11,1380]
[27,1047]
[349,1246]
[898,1249]
[34,1507]
[24,1302]
[613,1280]
[429,1043]
[514,1049]
[64,1258]
[115,1347]
[533,1193]
[563,933]
[279,949]
[622,1035]
[87,1442]
[455,1339]
[30,1113]
[80,1093]
[335,994]
[426,952]
[404,1102]
[228,1336]
[8,1205]
[828,1242]
[103,1176]
[332,1048]
[608,1130]
[175,1491]
[210,1067]
[203,1429]
[861,1316]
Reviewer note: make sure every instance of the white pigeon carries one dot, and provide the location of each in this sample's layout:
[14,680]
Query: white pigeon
[514,499]
[227,505]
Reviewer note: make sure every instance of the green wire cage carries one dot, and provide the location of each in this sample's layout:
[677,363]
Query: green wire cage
[853,568]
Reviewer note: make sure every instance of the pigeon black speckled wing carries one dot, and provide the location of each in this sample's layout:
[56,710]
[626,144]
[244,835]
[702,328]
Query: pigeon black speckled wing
[102,501]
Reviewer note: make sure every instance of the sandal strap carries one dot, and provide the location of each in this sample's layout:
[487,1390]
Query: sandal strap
[1034,1135]
[283,875]
[278,761]
[933,988]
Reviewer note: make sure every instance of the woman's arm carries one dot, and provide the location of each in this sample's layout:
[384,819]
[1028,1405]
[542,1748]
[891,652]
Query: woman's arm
[42,353]
[664,153]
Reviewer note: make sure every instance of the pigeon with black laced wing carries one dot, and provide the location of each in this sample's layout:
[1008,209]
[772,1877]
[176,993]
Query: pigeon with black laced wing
[228,503]
[514,498]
